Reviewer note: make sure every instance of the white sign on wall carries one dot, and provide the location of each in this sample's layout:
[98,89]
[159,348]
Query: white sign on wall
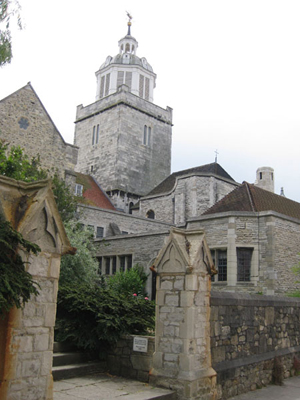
[140,344]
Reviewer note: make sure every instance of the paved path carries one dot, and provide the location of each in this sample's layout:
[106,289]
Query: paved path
[290,390]
[107,387]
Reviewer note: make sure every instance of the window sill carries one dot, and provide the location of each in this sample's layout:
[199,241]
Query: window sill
[219,283]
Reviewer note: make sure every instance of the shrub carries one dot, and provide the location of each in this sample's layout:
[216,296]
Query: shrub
[129,282]
[92,317]
[82,266]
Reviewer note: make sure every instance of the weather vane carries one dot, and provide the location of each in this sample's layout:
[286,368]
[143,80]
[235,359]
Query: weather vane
[129,16]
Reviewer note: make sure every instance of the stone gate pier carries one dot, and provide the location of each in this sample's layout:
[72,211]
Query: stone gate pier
[26,335]
[182,358]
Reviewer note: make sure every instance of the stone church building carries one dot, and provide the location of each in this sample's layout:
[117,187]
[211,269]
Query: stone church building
[120,166]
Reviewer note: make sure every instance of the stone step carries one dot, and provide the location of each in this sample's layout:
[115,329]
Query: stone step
[76,370]
[59,347]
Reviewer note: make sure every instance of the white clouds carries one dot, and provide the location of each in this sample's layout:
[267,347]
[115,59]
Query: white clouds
[229,69]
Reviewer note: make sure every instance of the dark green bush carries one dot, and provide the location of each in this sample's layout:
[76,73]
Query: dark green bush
[132,281]
[92,317]
[16,284]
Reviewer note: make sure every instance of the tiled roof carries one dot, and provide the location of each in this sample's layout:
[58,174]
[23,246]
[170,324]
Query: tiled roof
[168,184]
[93,195]
[249,197]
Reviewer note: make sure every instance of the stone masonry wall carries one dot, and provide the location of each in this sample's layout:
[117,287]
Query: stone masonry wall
[120,160]
[32,335]
[127,223]
[24,122]
[247,333]
[26,335]
[286,255]
[229,233]
[274,240]
[124,361]
[190,197]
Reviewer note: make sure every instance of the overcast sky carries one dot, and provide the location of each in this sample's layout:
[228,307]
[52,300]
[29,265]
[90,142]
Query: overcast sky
[230,69]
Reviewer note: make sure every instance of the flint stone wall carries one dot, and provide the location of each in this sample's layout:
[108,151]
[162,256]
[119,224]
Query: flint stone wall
[247,333]
[124,361]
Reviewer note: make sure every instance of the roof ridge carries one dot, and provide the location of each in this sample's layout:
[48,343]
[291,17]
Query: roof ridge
[250,195]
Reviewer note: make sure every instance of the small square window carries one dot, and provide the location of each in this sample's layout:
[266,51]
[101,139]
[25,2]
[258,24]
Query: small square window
[100,232]
[78,189]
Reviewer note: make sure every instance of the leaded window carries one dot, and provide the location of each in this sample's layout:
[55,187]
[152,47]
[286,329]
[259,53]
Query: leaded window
[244,256]
[220,261]
[100,232]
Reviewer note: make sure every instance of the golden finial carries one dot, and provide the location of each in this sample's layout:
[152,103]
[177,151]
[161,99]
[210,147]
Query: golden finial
[129,22]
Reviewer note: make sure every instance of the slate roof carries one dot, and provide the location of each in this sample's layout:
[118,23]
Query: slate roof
[249,197]
[93,195]
[168,184]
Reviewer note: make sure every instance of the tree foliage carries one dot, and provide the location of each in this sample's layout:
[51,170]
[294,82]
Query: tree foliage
[66,201]
[82,266]
[15,164]
[93,316]
[8,10]
[130,282]
[16,284]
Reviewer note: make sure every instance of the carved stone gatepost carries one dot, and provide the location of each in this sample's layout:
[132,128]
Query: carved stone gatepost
[182,358]
[26,335]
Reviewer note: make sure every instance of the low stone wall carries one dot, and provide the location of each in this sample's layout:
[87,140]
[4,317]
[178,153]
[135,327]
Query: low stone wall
[247,333]
[124,361]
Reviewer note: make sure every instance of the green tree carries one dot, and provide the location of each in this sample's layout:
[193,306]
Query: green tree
[9,9]
[15,164]
[130,282]
[16,285]
[82,266]
[66,201]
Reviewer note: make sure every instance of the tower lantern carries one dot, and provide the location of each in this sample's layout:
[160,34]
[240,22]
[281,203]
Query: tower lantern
[126,68]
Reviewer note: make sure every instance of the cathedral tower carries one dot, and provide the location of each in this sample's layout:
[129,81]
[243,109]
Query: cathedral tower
[124,139]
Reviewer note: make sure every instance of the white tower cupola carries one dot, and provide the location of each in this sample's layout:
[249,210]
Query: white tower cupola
[265,178]
[126,68]
[128,44]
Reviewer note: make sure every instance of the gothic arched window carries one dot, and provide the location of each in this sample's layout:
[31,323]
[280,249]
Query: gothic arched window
[150,214]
